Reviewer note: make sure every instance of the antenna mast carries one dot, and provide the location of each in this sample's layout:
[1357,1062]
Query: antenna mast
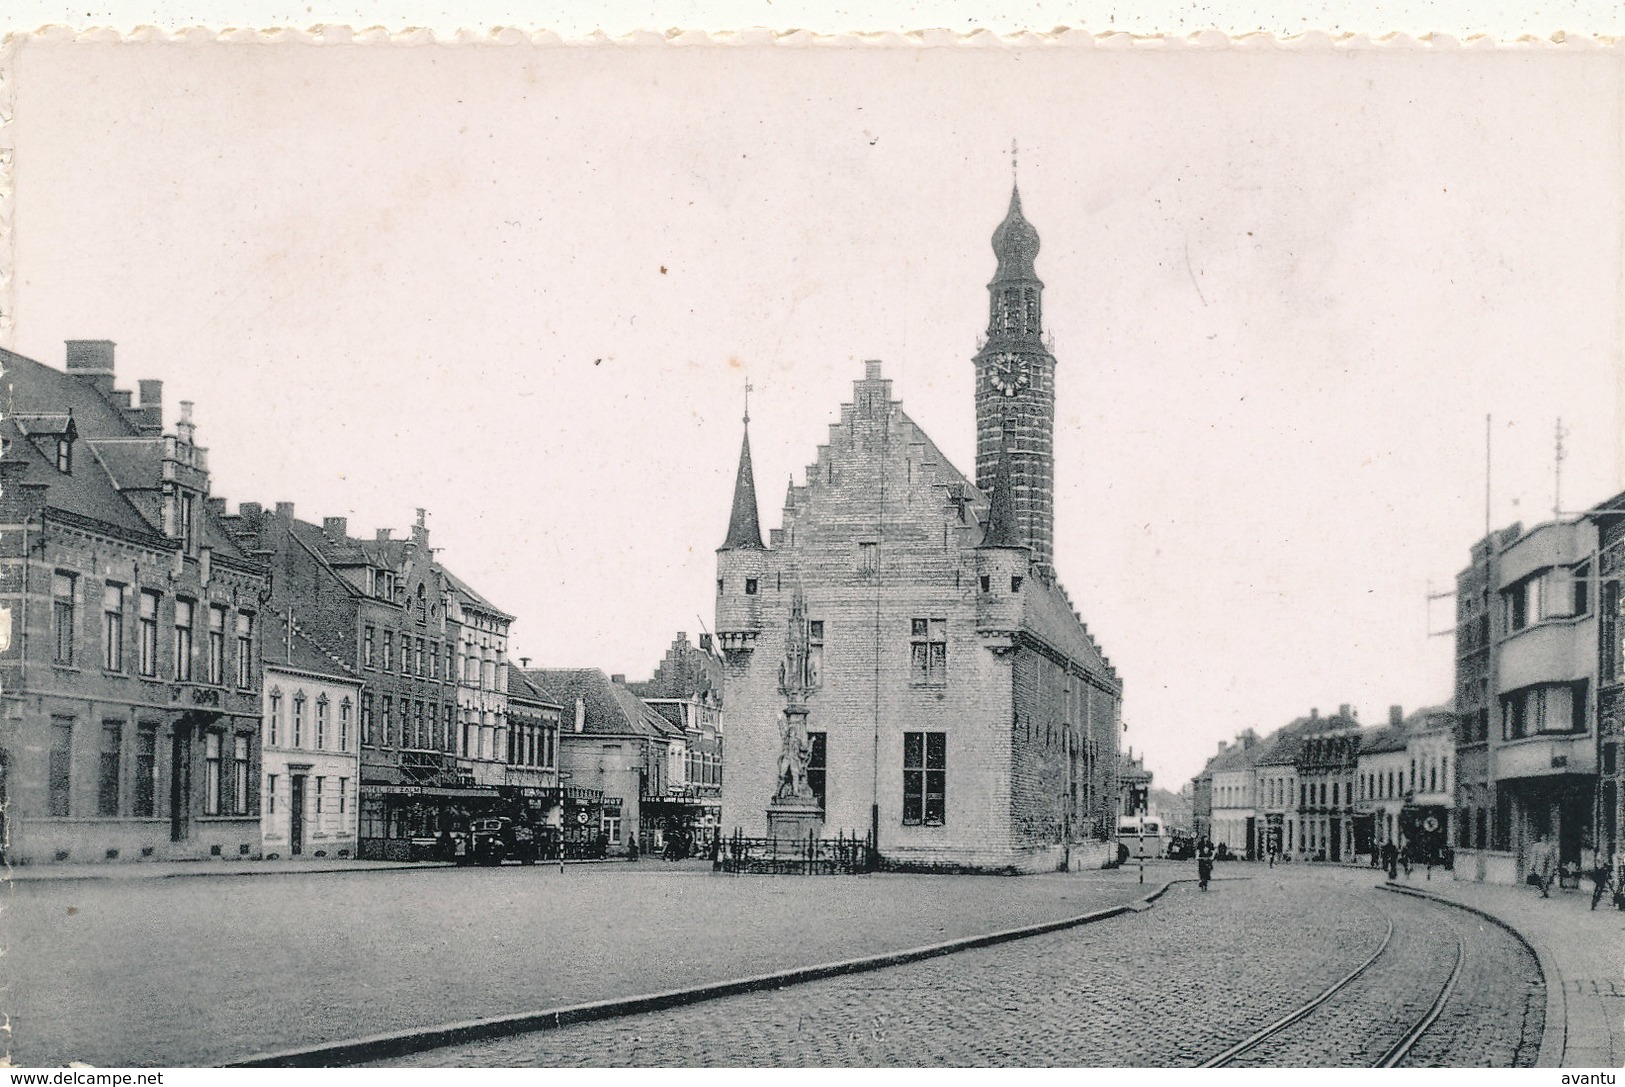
[1557,471]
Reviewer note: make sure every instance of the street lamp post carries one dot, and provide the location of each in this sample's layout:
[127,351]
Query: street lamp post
[1140,832]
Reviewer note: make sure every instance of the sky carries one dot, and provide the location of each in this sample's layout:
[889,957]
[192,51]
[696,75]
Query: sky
[523,288]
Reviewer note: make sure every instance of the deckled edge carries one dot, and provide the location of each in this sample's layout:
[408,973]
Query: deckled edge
[1069,37]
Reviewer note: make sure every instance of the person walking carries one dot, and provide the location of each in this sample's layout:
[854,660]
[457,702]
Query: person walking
[1600,875]
[1543,866]
[1390,860]
[1204,862]
[631,847]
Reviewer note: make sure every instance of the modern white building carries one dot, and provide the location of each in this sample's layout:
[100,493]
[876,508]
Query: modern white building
[311,747]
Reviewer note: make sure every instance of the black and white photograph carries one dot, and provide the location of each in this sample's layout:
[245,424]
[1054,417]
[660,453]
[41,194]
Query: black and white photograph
[781,550]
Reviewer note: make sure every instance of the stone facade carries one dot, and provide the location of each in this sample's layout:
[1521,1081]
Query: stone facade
[129,629]
[959,708]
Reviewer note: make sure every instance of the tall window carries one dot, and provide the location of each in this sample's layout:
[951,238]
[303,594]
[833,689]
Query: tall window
[417,657]
[366,646]
[925,778]
[62,590]
[389,650]
[868,558]
[245,650]
[149,633]
[450,672]
[188,523]
[815,652]
[113,627]
[107,785]
[146,771]
[184,612]
[217,645]
[321,722]
[366,719]
[817,764]
[211,773]
[239,775]
[418,725]
[388,723]
[60,769]
[298,720]
[434,660]
[344,788]
[929,644]
[274,725]
[270,794]
[319,781]
[64,456]
[344,725]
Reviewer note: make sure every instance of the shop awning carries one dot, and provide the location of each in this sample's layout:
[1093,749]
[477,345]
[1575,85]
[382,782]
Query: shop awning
[432,790]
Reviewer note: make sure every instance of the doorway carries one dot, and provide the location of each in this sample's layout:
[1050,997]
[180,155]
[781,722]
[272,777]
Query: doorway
[296,815]
[180,783]
[1336,843]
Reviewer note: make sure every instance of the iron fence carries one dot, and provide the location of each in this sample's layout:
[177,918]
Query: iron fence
[845,854]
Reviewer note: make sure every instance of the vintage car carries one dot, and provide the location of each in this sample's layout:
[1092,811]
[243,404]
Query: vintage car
[494,839]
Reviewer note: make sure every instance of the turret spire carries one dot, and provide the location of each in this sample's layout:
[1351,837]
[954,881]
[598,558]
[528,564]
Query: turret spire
[1002,529]
[744,529]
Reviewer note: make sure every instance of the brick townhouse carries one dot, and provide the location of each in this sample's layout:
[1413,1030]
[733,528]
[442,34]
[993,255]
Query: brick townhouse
[955,704]
[129,628]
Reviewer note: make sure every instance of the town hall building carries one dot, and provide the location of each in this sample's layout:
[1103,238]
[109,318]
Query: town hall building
[900,658]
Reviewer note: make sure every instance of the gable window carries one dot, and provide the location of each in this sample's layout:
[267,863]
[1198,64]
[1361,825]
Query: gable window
[62,593]
[184,612]
[64,455]
[925,778]
[929,652]
[113,627]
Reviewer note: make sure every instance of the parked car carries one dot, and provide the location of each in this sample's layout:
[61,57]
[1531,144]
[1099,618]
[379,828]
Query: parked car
[1181,848]
[494,839]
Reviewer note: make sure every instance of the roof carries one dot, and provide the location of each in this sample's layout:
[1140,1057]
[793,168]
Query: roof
[287,644]
[609,708]
[744,527]
[469,596]
[1376,741]
[112,456]
[521,685]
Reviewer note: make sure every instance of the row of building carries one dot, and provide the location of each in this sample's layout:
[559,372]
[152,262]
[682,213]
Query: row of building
[1326,788]
[1523,763]
[177,681]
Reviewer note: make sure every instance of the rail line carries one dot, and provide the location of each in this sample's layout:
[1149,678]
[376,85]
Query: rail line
[1396,1052]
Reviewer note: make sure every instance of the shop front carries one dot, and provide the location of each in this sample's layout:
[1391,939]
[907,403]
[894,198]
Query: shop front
[1425,829]
[582,822]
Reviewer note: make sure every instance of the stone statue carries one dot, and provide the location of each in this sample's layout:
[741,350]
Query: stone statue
[793,756]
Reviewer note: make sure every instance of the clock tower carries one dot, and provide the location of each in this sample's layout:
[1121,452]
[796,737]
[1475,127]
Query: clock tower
[1015,388]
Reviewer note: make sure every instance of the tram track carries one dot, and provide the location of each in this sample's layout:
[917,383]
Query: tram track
[1287,1031]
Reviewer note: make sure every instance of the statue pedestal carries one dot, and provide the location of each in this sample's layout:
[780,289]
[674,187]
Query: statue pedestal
[791,818]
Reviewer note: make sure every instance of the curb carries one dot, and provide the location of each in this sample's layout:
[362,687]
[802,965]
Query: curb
[400,1043]
[1554,1034]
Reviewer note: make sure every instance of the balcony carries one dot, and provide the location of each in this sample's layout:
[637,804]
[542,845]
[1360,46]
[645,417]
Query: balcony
[1555,651]
[1550,755]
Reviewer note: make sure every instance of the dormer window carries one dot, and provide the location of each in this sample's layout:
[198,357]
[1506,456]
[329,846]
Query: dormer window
[64,455]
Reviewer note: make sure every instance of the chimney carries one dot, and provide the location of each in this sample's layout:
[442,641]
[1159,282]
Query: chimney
[284,511]
[217,506]
[1343,710]
[524,662]
[705,642]
[420,529]
[1314,714]
[1396,714]
[152,406]
[336,527]
[250,512]
[619,679]
[184,430]
[871,369]
[92,361]
[384,535]
[581,713]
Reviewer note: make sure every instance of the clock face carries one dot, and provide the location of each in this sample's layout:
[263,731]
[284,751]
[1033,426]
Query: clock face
[1009,374]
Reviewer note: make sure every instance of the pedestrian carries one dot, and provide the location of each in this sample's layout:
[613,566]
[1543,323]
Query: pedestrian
[1405,858]
[631,847]
[1390,860]
[1600,876]
[1204,862]
[1543,870]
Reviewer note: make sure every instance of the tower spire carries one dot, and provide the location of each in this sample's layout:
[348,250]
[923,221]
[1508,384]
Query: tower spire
[744,529]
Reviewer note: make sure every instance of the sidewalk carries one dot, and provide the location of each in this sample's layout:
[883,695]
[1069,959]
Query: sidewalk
[1581,952]
[51,873]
